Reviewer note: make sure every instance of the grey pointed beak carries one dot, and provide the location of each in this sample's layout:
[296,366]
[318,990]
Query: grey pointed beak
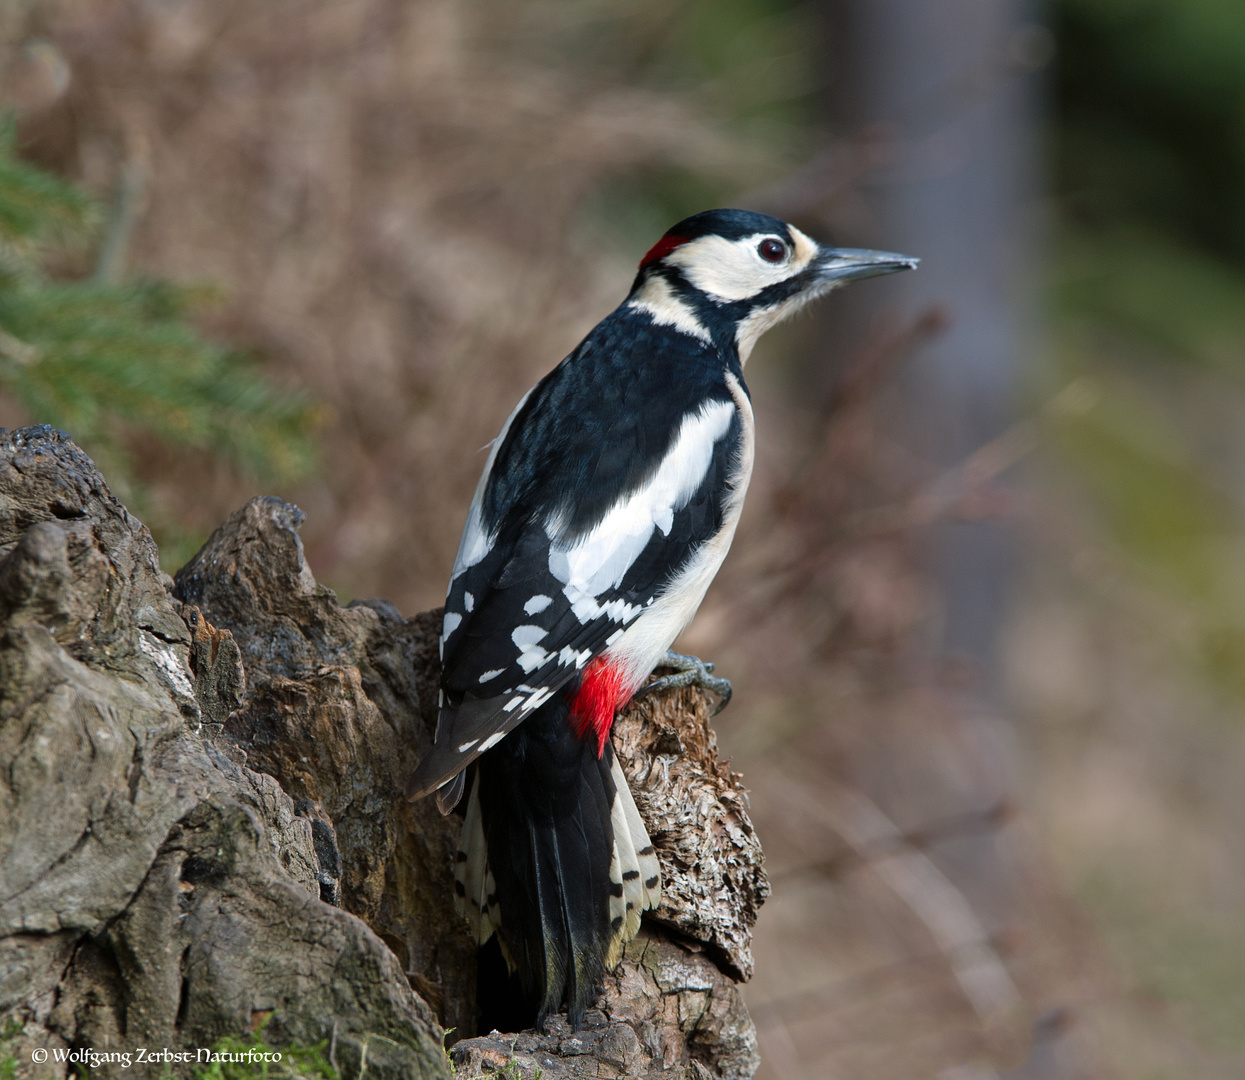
[852,264]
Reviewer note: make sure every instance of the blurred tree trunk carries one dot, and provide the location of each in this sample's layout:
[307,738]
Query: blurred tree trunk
[944,92]
[942,96]
[939,102]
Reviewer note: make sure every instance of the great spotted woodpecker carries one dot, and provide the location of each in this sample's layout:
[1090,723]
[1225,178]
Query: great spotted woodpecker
[606,506]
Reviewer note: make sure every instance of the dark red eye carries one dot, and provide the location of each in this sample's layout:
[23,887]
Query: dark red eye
[772,250]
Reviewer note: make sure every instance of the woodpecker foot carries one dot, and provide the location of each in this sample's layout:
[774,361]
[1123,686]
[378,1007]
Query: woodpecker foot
[690,671]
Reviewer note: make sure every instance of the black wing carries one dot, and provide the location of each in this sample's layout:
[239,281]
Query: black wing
[589,506]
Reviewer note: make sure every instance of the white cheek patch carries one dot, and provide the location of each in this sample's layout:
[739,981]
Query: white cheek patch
[732,269]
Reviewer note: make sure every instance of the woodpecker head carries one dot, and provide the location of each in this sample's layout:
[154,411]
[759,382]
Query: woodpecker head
[732,274]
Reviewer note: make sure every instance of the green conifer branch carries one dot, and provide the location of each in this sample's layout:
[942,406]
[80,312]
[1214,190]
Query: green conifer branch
[102,360]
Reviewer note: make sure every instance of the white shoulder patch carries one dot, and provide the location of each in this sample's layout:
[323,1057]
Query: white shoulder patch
[599,560]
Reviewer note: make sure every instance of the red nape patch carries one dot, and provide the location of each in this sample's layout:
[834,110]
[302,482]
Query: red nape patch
[595,702]
[662,248]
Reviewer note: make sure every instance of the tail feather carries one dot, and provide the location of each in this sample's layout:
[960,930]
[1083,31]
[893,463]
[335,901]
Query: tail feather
[545,802]
[475,892]
[639,874]
[624,909]
[551,945]
[556,861]
[646,857]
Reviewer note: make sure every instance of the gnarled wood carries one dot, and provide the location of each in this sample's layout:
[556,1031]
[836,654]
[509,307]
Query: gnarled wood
[197,774]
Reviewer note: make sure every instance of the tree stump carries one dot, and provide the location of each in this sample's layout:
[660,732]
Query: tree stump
[202,827]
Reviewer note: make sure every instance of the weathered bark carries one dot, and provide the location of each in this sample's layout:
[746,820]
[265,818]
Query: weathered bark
[153,891]
[196,774]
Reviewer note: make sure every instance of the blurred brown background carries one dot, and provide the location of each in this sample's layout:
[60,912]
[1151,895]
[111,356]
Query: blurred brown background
[983,615]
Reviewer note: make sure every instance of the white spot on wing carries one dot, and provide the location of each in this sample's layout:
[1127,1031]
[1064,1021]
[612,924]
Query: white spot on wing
[450,623]
[531,655]
[490,675]
[464,747]
[538,699]
[587,609]
[492,740]
[469,602]
[537,604]
[531,658]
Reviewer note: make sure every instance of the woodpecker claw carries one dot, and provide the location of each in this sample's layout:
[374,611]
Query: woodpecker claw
[690,671]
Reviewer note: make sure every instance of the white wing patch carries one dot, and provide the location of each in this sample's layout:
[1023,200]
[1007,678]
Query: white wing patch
[598,562]
[450,623]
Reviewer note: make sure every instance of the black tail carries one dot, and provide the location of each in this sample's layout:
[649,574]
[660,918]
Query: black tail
[545,803]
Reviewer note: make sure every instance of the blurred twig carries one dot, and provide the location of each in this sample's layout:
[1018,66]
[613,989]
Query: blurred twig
[932,897]
[971,823]
[123,217]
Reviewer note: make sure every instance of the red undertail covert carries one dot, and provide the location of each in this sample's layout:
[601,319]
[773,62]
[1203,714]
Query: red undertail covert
[598,697]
